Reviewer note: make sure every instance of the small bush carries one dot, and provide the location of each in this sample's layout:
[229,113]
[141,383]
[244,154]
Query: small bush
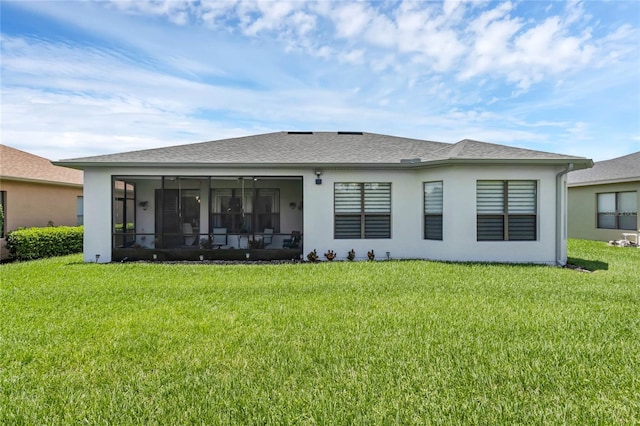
[351,255]
[312,256]
[36,243]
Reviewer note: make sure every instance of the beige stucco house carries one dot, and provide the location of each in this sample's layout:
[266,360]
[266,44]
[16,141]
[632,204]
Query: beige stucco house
[284,194]
[604,200]
[34,192]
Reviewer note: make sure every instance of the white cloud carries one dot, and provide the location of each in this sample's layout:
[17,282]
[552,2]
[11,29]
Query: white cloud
[303,22]
[618,45]
[574,12]
[491,43]
[578,130]
[422,30]
[450,6]
[383,63]
[353,57]
[489,16]
[176,11]
[323,52]
[271,15]
[381,31]
[351,19]
[526,53]
[211,12]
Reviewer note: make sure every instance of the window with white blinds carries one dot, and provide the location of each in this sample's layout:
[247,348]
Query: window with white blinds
[618,210]
[362,210]
[433,210]
[506,210]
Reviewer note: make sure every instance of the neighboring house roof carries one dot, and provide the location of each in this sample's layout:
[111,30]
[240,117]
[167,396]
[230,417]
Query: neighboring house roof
[324,149]
[621,169]
[20,165]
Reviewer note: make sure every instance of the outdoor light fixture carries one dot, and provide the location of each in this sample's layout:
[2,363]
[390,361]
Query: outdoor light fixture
[318,179]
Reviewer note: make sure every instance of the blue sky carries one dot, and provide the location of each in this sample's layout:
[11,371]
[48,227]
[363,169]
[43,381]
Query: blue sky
[87,78]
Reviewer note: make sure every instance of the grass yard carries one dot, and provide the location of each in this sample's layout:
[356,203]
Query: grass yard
[399,342]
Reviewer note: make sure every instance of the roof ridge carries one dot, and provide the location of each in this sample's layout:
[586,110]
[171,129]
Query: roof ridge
[457,147]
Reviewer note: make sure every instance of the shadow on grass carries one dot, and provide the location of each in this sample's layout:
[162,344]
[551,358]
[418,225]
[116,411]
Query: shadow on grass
[590,265]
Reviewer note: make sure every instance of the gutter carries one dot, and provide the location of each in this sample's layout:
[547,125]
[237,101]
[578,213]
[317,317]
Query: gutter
[604,181]
[41,181]
[410,163]
[560,218]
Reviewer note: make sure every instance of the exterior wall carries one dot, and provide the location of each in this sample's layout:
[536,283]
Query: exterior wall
[97,216]
[583,211]
[35,204]
[31,204]
[459,215]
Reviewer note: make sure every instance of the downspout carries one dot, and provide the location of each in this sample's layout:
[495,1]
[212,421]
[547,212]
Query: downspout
[560,218]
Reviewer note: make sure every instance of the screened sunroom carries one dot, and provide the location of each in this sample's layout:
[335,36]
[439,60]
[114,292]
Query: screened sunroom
[206,217]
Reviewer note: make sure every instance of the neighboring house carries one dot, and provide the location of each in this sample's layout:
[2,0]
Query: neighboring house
[34,192]
[249,197]
[604,200]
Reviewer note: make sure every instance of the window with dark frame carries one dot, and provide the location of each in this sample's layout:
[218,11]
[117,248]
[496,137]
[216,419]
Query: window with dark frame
[3,203]
[362,210]
[80,210]
[618,210]
[433,210]
[506,210]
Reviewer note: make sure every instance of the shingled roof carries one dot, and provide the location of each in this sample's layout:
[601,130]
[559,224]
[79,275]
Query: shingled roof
[620,169]
[20,165]
[321,148]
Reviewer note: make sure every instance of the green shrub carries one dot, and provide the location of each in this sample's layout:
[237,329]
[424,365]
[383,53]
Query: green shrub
[36,243]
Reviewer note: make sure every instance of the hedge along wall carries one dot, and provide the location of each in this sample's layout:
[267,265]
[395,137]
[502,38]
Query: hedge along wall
[36,243]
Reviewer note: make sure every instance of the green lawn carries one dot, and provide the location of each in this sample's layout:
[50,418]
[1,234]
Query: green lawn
[396,342]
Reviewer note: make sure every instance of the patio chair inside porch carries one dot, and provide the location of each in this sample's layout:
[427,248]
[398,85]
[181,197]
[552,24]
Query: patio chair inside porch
[219,238]
[267,237]
[292,242]
[189,237]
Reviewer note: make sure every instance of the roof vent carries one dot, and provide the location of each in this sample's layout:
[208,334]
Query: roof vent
[409,160]
[299,133]
[350,133]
